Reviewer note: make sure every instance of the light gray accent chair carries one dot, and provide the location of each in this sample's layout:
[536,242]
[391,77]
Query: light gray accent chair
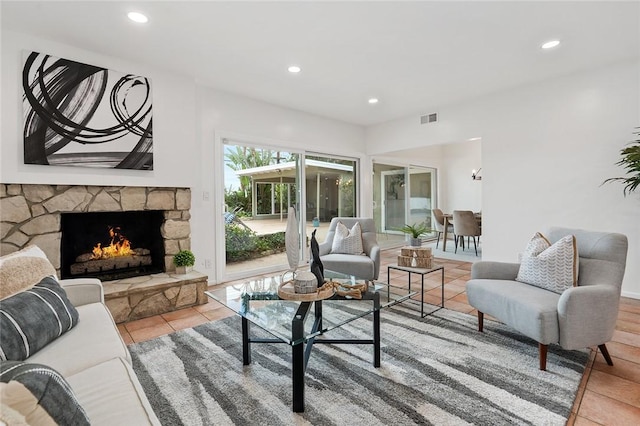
[580,317]
[465,224]
[439,224]
[365,266]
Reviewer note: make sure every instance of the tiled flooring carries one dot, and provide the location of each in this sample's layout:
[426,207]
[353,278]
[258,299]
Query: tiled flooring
[607,395]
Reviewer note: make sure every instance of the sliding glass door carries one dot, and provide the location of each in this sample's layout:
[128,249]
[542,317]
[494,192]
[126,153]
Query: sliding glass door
[261,183]
[401,195]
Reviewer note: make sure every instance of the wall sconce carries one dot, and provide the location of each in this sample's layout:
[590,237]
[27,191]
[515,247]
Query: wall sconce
[475,175]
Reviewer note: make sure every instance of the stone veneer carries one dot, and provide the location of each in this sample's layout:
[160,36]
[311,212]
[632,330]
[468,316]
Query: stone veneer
[30,214]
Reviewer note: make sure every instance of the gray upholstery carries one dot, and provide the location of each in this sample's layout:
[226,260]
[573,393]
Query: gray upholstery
[465,224]
[365,266]
[439,224]
[580,317]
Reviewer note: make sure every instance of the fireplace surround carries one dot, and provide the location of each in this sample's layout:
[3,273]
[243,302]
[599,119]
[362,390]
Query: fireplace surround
[32,214]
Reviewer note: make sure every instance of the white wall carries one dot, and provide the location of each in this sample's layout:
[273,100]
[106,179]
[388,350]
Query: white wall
[223,115]
[174,122]
[188,123]
[546,148]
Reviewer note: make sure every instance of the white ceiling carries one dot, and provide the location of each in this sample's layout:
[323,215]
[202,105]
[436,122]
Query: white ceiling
[414,56]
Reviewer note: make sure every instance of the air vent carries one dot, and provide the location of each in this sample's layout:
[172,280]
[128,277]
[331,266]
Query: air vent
[429,118]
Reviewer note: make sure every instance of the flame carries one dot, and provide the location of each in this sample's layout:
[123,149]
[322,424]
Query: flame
[120,246]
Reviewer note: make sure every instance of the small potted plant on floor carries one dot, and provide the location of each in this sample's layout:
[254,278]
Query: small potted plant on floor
[184,261]
[414,231]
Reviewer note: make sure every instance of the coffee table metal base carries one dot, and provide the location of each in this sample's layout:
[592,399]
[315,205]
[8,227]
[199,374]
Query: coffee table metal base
[301,351]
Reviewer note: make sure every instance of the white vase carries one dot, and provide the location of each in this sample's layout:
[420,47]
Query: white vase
[292,239]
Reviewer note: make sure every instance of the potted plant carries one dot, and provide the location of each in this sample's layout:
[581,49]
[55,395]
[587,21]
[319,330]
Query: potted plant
[414,231]
[184,261]
[631,162]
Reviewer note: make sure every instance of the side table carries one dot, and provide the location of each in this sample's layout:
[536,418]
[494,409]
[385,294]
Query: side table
[422,272]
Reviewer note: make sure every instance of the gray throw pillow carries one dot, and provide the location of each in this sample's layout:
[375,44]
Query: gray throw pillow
[32,319]
[40,394]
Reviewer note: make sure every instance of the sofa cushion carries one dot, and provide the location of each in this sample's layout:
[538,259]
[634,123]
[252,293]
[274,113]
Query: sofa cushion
[111,395]
[22,270]
[347,241]
[94,340]
[359,266]
[30,320]
[529,309]
[552,267]
[40,394]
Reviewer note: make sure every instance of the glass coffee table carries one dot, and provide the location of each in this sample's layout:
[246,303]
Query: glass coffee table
[288,321]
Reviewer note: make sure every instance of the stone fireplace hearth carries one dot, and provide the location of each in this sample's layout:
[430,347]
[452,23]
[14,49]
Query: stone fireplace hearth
[31,214]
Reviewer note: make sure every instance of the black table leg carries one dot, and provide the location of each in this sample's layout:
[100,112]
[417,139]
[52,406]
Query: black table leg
[376,330]
[422,297]
[442,286]
[297,356]
[246,344]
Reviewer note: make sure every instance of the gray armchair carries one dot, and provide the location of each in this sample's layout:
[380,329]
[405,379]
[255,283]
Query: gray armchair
[365,266]
[580,317]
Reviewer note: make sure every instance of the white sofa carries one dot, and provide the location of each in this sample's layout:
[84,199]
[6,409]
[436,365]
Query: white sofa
[96,362]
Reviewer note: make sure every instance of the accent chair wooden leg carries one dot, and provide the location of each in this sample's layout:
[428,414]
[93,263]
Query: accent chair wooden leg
[543,356]
[480,321]
[605,353]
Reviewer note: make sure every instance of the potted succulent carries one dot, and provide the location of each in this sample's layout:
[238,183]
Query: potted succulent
[184,261]
[414,231]
[631,162]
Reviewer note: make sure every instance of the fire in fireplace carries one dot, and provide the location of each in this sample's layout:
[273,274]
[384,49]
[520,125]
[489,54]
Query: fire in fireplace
[111,245]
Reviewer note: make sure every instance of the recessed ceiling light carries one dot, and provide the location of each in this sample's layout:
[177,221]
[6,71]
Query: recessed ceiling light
[551,44]
[294,69]
[137,17]
[373,100]
[473,139]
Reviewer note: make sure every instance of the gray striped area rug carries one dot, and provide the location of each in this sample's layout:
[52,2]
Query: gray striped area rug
[438,370]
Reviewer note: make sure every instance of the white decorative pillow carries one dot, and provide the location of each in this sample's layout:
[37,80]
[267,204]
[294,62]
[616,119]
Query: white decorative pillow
[347,241]
[552,267]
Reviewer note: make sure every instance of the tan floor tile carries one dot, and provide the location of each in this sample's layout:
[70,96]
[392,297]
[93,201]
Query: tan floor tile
[209,306]
[143,334]
[219,314]
[126,337]
[582,421]
[629,316]
[620,350]
[462,298]
[632,309]
[621,368]
[614,387]
[181,313]
[188,322]
[631,327]
[607,411]
[631,339]
[458,306]
[144,323]
[448,292]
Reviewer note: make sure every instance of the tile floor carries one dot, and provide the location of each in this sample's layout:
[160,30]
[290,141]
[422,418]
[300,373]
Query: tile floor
[607,395]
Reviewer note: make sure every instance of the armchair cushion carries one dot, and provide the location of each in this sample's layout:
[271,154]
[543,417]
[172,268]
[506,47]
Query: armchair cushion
[347,241]
[552,267]
[32,319]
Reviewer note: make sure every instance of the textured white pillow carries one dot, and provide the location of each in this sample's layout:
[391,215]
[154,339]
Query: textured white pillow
[552,267]
[347,242]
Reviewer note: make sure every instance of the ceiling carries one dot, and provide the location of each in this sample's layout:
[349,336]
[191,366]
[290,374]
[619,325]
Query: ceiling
[414,56]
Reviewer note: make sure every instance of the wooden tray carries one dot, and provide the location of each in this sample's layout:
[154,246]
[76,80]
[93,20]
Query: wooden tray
[287,292]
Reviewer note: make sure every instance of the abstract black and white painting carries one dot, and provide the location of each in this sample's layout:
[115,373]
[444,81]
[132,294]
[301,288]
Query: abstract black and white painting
[82,115]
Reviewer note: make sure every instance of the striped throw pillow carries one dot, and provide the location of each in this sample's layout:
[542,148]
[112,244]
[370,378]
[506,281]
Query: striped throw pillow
[32,319]
[347,241]
[39,394]
[552,267]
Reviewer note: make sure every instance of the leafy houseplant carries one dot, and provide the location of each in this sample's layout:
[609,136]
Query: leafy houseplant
[415,231]
[184,261]
[631,162]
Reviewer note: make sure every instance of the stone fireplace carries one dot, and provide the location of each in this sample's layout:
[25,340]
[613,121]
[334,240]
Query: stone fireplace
[40,214]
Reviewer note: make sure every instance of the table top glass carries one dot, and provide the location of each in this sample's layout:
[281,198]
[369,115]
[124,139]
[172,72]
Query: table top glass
[257,300]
